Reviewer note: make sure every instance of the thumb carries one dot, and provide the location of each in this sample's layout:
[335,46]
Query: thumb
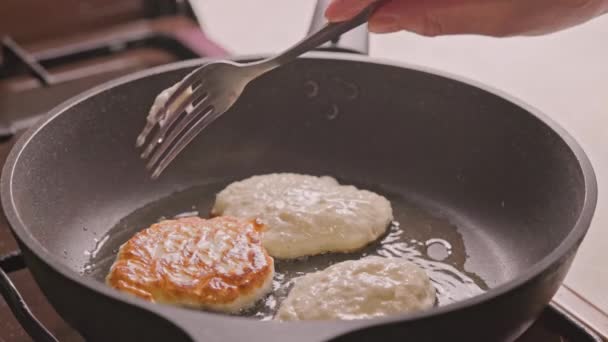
[340,10]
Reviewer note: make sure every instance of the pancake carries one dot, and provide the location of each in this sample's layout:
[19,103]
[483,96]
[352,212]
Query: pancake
[359,289]
[307,215]
[217,264]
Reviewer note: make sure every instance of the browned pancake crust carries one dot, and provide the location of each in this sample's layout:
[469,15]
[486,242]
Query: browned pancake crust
[193,261]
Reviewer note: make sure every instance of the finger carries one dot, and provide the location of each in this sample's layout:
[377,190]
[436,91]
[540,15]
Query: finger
[493,18]
[439,17]
[340,10]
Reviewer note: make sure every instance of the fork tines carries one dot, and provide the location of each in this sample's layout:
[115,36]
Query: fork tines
[185,113]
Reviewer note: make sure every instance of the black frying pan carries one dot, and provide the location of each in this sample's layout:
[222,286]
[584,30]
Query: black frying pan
[508,188]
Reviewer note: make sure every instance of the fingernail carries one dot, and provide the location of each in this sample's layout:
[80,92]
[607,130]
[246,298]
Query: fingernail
[384,23]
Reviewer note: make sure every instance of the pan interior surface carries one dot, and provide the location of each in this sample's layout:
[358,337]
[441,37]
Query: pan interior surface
[460,164]
[422,235]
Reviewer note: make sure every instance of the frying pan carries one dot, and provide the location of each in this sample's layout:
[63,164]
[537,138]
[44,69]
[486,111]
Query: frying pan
[515,186]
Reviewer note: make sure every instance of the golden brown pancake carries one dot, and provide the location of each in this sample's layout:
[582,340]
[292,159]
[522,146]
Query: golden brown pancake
[217,264]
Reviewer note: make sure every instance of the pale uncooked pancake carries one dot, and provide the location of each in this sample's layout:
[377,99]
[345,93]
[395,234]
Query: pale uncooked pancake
[307,215]
[367,288]
[216,264]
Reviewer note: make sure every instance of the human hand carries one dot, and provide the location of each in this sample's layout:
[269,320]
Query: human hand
[487,17]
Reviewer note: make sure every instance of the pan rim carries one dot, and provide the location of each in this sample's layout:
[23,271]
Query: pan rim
[571,241]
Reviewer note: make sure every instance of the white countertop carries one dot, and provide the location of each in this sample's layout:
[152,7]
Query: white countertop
[564,75]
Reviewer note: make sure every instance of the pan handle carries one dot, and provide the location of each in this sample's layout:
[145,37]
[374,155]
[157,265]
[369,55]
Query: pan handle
[10,263]
[354,41]
[218,328]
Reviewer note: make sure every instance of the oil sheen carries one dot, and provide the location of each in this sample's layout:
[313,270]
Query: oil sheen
[419,235]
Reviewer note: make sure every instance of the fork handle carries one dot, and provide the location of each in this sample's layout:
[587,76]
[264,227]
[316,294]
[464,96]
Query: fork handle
[353,41]
[329,32]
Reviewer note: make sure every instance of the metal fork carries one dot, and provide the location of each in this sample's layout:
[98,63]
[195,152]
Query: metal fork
[210,90]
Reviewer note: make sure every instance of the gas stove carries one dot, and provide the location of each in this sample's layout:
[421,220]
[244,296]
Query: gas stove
[44,65]
[53,68]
